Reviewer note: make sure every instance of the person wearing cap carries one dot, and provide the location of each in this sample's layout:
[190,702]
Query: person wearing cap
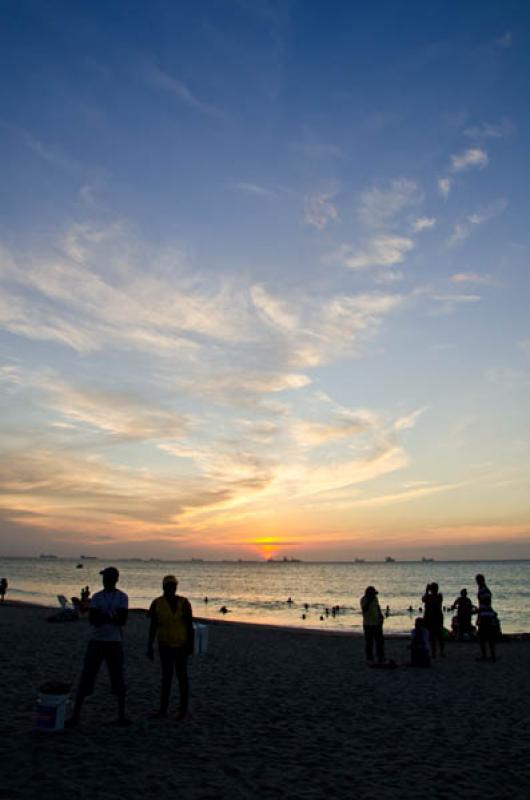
[107,616]
[373,625]
[171,622]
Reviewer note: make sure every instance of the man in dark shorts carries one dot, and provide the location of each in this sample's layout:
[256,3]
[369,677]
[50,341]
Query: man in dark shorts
[107,616]
[172,623]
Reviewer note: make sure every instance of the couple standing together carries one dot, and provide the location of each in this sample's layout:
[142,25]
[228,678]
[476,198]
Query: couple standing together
[171,622]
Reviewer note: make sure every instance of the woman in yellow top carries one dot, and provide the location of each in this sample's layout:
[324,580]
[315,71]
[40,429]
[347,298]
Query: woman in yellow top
[373,625]
[172,623]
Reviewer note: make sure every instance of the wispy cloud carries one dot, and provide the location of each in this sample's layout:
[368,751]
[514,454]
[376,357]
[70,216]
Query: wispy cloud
[463,229]
[473,157]
[448,303]
[320,210]
[50,152]
[160,79]
[342,425]
[274,309]
[120,415]
[487,130]
[444,187]
[423,224]
[473,278]
[254,188]
[380,206]
[311,146]
[408,421]
[383,250]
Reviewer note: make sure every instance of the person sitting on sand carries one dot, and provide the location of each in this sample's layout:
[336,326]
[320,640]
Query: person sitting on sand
[107,616]
[464,610]
[488,629]
[419,645]
[3,588]
[172,623]
[82,603]
[373,625]
[434,618]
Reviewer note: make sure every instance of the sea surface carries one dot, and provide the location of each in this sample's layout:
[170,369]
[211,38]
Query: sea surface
[257,591]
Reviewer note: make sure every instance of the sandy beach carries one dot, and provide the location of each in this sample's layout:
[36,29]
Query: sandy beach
[277,713]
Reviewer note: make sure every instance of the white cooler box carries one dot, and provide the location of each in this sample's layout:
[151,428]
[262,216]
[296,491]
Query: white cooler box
[200,644]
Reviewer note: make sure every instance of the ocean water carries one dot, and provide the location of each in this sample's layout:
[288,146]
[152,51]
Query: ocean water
[257,592]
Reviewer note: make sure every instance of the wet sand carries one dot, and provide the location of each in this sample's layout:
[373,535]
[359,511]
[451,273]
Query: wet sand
[277,713]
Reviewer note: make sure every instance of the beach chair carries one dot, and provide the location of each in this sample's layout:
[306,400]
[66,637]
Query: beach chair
[66,613]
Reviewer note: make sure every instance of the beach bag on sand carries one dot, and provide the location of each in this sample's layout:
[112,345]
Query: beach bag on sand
[200,639]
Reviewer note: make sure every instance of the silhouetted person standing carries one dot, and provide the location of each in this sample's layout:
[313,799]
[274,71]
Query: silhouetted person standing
[487,621]
[3,588]
[483,592]
[172,623]
[419,645]
[488,629]
[434,617]
[373,625]
[464,610]
[107,616]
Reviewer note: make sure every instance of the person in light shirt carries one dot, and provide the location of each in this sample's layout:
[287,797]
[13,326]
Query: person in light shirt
[107,616]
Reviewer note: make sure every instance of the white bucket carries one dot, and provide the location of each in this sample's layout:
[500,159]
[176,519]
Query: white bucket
[200,640]
[51,711]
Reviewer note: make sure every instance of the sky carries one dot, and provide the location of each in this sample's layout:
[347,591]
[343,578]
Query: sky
[264,279]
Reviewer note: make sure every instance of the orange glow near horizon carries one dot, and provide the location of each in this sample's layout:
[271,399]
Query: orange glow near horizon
[266,546]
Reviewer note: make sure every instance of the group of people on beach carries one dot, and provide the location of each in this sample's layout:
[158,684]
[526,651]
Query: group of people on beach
[428,635]
[170,622]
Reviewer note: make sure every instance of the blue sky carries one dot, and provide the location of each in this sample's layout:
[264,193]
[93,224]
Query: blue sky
[264,279]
